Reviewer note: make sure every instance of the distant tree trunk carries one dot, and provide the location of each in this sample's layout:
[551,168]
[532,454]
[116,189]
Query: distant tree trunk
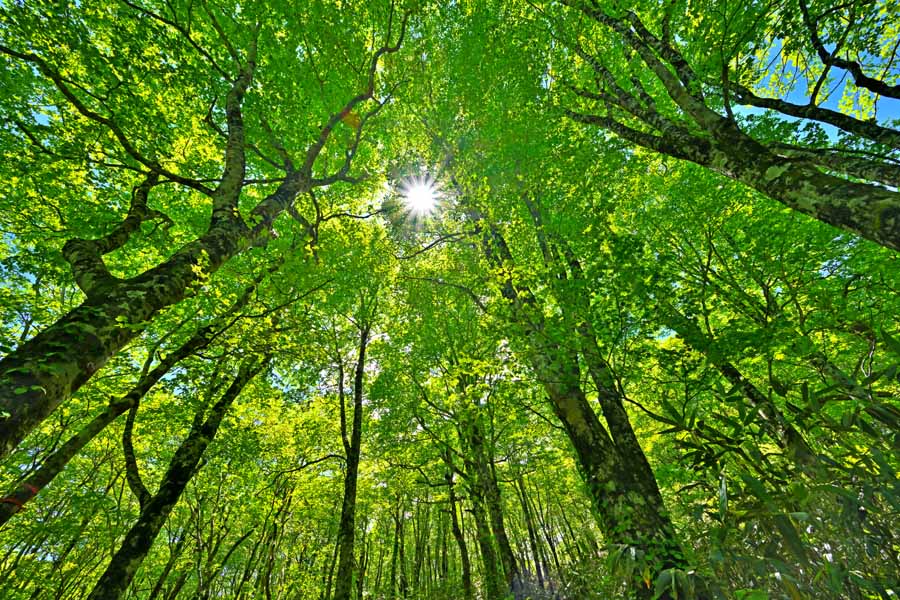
[347,527]
[397,553]
[420,537]
[529,525]
[328,576]
[174,555]
[401,559]
[546,529]
[363,565]
[125,563]
[443,567]
[468,590]
[493,584]
[484,478]
[179,583]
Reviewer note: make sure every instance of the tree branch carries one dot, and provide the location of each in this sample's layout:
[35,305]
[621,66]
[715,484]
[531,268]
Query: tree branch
[86,256]
[117,131]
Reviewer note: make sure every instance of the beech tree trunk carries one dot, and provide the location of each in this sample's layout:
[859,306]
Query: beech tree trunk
[490,491]
[55,463]
[622,485]
[493,583]
[466,565]
[113,584]
[347,528]
[47,369]
[529,525]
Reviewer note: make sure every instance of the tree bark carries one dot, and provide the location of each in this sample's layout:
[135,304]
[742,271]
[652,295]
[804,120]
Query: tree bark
[55,463]
[47,369]
[529,525]
[490,491]
[468,590]
[707,138]
[623,488]
[493,582]
[347,528]
[137,543]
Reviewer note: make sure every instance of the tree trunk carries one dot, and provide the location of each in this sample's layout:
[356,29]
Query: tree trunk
[529,525]
[490,491]
[347,528]
[468,590]
[174,555]
[138,541]
[493,584]
[47,369]
[55,463]
[623,488]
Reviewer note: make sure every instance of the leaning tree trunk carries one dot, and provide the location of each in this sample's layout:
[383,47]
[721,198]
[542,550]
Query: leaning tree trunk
[54,464]
[183,466]
[625,496]
[622,486]
[46,370]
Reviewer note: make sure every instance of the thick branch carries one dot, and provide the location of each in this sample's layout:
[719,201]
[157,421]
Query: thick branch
[834,160]
[86,256]
[867,129]
[830,59]
[132,473]
[226,194]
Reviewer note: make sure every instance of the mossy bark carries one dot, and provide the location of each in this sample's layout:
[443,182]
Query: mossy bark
[123,566]
[54,464]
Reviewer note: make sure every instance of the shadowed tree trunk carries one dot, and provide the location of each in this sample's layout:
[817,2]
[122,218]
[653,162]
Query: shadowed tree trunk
[113,584]
[493,583]
[347,528]
[55,463]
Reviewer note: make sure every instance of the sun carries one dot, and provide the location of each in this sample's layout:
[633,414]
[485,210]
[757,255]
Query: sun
[420,195]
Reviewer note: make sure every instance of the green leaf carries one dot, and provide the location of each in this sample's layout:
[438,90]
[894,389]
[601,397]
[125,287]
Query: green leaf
[791,537]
